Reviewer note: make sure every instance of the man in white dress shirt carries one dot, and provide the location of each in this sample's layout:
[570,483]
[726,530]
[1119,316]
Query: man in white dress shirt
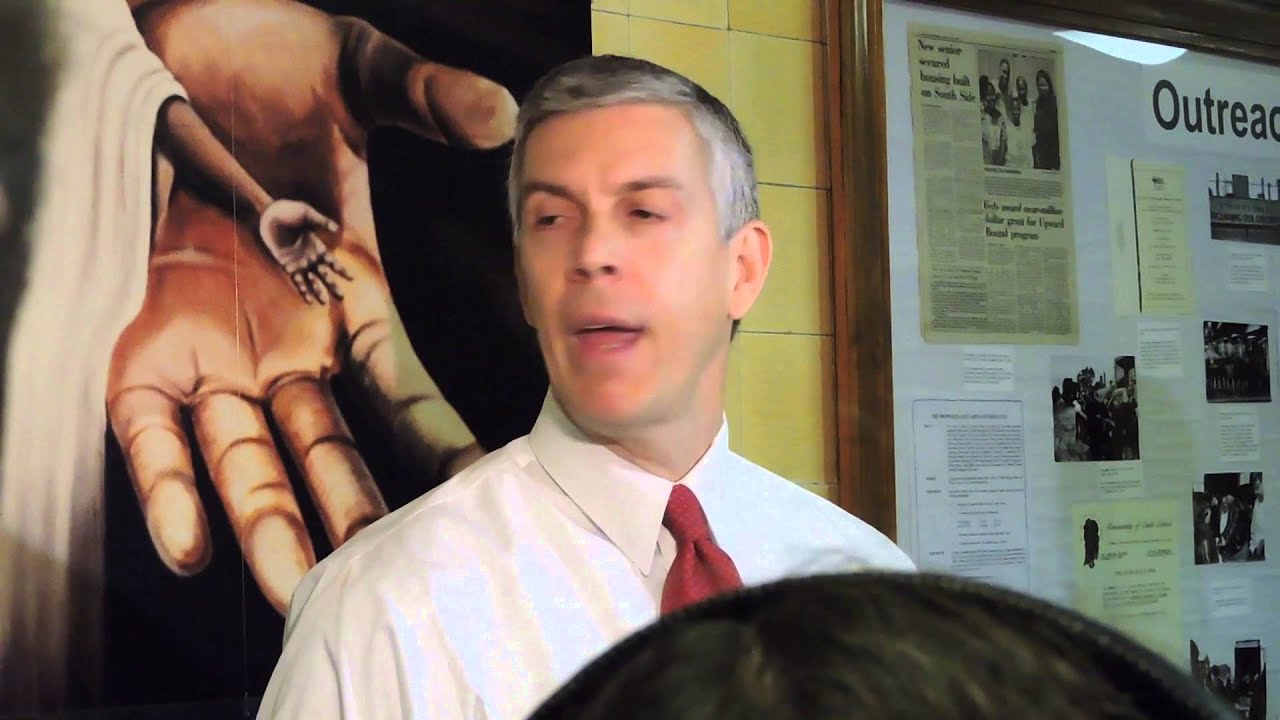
[639,248]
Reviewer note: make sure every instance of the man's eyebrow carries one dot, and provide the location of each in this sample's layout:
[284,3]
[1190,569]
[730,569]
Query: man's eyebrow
[638,185]
[648,183]
[534,186]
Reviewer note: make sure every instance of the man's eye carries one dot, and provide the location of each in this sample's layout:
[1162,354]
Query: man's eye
[548,220]
[642,214]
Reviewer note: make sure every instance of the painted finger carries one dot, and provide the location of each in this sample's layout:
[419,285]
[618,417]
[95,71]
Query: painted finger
[316,284]
[328,259]
[321,444]
[330,281]
[147,424]
[433,431]
[299,279]
[251,480]
[317,220]
[469,110]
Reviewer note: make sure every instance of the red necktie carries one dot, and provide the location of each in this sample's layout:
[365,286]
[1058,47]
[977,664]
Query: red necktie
[701,569]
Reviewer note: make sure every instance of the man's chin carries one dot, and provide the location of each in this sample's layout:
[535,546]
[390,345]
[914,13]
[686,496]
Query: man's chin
[604,412]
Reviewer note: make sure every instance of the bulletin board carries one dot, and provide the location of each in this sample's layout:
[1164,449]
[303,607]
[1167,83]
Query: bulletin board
[1081,264]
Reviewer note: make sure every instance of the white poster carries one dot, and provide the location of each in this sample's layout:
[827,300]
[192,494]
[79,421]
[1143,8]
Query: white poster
[1238,434]
[1160,349]
[988,370]
[1249,270]
[1230,598]
[971,489]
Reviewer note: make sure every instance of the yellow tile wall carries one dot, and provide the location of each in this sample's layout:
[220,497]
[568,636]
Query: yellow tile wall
[764,58]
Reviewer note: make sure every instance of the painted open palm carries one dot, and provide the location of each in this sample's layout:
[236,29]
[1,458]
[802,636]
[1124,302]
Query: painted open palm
[245,323]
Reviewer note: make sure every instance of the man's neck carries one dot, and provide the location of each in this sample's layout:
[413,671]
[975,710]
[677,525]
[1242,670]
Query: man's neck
[669,450]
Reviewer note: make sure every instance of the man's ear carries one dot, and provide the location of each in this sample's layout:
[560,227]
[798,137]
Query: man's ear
[752,252]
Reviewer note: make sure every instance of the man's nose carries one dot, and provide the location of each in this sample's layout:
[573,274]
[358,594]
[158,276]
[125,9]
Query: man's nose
[598,251]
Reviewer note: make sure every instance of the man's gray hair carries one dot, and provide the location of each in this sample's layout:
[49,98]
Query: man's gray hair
[606,80]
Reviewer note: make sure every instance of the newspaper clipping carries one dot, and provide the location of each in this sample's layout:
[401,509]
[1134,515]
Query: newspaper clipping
[997,252]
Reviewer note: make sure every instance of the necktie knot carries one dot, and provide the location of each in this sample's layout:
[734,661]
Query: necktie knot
[684,517]
[700,569]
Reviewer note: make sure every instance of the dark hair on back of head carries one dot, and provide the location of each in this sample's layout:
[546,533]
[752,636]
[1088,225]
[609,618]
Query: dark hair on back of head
[879,645]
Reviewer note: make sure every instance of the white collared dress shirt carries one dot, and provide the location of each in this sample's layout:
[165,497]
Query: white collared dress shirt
[478,599]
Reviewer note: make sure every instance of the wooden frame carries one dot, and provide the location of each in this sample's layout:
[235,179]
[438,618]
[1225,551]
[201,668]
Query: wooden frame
[866,483]
[865,480]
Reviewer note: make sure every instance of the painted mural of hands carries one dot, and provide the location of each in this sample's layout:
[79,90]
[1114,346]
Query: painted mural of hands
[238,339]
[289,230]
[225,345]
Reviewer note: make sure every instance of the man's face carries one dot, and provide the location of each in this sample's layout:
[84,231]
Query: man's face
[623,270]
[1004,74]
[1021,84]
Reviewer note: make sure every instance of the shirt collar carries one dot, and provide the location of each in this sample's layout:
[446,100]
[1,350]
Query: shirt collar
[625,501]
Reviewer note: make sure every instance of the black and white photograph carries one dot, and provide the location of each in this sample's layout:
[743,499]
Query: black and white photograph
[1095,408]
[1227,518]
[1244,208]
[1237,675]
[1019,109]
[1237,362]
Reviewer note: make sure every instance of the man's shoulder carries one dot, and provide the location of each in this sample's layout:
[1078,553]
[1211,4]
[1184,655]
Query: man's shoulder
[440,527]
[371,610]
[825,523]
